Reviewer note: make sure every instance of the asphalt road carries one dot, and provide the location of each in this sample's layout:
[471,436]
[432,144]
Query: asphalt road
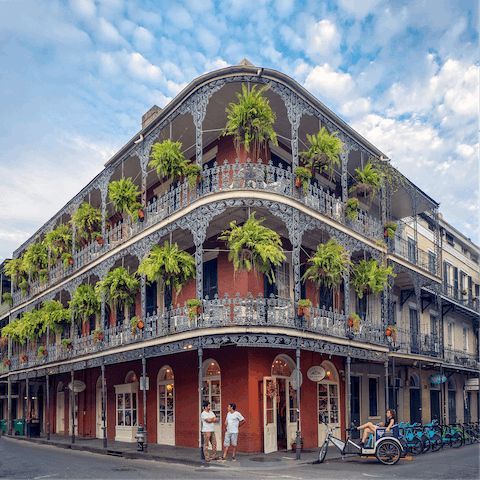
[22,460]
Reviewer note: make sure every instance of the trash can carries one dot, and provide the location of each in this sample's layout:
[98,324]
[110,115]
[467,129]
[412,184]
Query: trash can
[33,428]
[4,425]
[19,426]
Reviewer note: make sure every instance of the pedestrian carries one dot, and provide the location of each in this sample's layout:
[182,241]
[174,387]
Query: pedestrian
[369,428]
[208,430]
[233,422]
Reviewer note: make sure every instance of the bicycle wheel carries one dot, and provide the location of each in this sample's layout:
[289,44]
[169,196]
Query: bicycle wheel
[323,451]
[470,436]
[388,452]
[404,447]
[426,443]
[456,440]
[415,446]
[436,443]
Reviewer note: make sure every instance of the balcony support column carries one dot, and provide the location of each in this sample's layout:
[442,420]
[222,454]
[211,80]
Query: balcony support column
[72,404]
[348,406]
[47,388]
[9,406]
[103,187]
[387,399]
[200,397]
[104,413]
[144,397]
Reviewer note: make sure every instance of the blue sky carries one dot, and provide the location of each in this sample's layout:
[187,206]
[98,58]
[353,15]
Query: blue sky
[76,77]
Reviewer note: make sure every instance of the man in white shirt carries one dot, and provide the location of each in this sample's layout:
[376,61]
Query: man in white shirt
[233,422]
[208,430]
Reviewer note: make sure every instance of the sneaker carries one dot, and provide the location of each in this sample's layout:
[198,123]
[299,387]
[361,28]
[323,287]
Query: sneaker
[234,459]
[221,459]
[361,445]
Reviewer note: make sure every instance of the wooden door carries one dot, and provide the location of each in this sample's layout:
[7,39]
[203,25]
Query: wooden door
[270,415]
[99,419]
[60,427]
[166,413]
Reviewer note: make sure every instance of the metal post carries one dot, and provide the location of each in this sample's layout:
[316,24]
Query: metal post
[104,413]
[386,386]
[144,375]
[9,407]
[421,387]
[72,406]
[394,387]
[442,417]
[349,394]
[27,416]
[47,381]
[299,442]
[200,397]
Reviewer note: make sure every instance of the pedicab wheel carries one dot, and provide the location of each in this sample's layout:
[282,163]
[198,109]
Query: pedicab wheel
[388,452]
[456,440]
[415,446]
[436,443]
[404,447]
[323,452]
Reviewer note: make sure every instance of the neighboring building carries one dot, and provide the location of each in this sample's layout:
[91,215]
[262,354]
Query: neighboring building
[249,337]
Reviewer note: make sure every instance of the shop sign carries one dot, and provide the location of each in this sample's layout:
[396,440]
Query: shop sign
[316,373]
[438,379]
[471,381]
[78,386]
[471,387]
[293,379]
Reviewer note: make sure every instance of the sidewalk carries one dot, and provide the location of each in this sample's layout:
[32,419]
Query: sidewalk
[172,454]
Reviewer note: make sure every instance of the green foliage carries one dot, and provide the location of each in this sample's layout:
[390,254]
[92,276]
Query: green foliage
[43,275]
[87,219]
[15,270]
[7,298]
[352,208]
[120,287]
[251,120]
[304,303]
[303,174]
[356,321]
[191,171]
[35,258]
[367,180]
[55,316]
[123,194]
[40,351]
[65,258]
[134,211]
[328,264]
[193,305]
[169,266]
[14,332]
[24,286]
[390,228]
[370,277]
[59,241]
[389,175]
[65,343]
[324,151]
[168,159]
[253,245]
[86,301]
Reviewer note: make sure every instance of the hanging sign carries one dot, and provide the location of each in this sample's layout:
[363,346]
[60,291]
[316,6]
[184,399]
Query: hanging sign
[316,373]
[438,379]
[78,386]
[293,379]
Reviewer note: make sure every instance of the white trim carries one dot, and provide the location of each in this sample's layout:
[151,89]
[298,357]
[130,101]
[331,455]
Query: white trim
[433,312]
[412,305]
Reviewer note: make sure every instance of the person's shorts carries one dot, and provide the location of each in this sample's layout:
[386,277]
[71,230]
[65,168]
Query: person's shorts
[230,438]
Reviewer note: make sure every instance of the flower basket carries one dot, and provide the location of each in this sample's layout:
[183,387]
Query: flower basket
[140,324]
[42,351]
[302,176]
[390,229]
[66,344]
[354,322]
[192,172]
[97,335]
[7,362]
[303,308]
[298,182]
[97,237]
[194,308]
[23,358]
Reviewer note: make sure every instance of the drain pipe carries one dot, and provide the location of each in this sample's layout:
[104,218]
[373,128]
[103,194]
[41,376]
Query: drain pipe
[298,440]
[47,380]
[200,397]
[104,413]
[72,393]
[349,394]
[144,375]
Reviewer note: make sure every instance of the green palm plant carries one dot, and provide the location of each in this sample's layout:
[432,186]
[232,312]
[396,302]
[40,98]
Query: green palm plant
[324,151]
[168,265]
[370,277]
[15,269]
[120,287]
[35,259]
[168,159]
[85,302]
[59,241]
[254,246]
[251,120]
[87,219]
[367,181]
[123,194]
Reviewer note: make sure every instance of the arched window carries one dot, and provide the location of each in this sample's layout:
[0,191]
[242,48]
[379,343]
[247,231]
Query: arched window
[414,381]
[131,377]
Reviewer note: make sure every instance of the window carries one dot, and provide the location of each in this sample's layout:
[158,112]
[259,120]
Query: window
[463,281]
[281,287]
[411,250]
[465,339]
[210,279]
[431,262]
[373,396]
[450,335]
[151,298]
[449,239]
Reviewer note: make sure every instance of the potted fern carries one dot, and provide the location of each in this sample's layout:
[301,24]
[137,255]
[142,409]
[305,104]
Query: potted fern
[192,173]
[136,323]
[168,265]
[97,335]
[254,246]
[120,287]
[35,259]
[324,151]
[303,308]
[367,181]
[123,194]
[59,241]
[302,175]
[352,208]
[354,322]
[370,277]
[42,351]
[168,159]
[15,269]
[87,219]
[390,229]
[66,345]
[194,308]
[250,121]
[67,260]
[7,298]
[85,302]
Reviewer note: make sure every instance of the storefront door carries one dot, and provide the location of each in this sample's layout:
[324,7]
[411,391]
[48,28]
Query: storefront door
[270,391]
[98,406]
[166,407]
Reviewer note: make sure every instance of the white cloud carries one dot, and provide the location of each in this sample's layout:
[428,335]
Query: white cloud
[83,8]
[284,7]
[108,33]
[199,5]
[208,40]
[322,39]
[358,8]
[141,68]
[179,18]
[143,40]
[215,64]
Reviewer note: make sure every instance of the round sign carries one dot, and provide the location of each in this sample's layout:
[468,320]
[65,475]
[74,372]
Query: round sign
[78,386]
[316,373]
[293,379]
[438,379]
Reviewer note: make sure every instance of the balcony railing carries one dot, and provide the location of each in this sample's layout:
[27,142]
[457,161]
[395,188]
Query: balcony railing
[413,255]
[219,312]
[465,299]
[417,343]
[227,177]
[462,358]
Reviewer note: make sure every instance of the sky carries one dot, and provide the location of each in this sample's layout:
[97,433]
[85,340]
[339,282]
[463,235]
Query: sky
[76,76]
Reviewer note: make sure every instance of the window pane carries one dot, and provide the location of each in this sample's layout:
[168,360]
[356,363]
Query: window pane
[120,400]
[372,389]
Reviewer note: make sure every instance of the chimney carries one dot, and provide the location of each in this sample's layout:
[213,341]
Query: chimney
[150,116]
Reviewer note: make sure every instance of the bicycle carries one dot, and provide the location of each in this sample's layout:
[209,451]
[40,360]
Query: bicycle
[414,445]
[384,446]
[433,438]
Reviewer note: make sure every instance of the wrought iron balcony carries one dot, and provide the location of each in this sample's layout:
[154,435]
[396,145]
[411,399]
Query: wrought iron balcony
[417,343]
[226,178]
[461,358]
[216,313]
[464,297]
[413,255]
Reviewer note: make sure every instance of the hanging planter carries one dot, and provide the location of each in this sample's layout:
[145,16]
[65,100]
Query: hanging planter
[390,229]
[192,173]
[367,181]
[6,362]
[67,260]
[23,358]
[42,351]
[66,344]
[97,237]
[303,308]
[391,331]
[354,322]
[302,176]
[194,308]
[97,335]
[8,299]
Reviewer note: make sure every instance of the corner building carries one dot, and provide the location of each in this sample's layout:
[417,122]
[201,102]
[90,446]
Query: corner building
[249,339]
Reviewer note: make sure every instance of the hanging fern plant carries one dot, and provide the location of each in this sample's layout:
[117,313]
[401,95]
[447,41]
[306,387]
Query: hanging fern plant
[15,269]
[59,241]
[370,277]
[123,194]
[120,287]
[35,259]
[367,181]
[85,302]
[254,246]
[324,151]
[169,266]
[87,219]
[251,120]
[168,159]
